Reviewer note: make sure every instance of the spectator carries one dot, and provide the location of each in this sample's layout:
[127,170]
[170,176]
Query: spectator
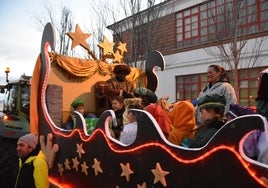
[183,122]
[217,83]
[149,100]
[212,111]
[119,85]
[33,167]
[78,106]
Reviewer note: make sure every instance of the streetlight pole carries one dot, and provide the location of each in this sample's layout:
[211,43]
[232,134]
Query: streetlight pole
[7,70]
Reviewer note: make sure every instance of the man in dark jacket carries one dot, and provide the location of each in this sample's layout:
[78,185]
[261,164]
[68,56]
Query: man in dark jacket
[33,167]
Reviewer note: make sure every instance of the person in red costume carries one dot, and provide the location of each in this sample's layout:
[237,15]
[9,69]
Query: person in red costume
[149,100]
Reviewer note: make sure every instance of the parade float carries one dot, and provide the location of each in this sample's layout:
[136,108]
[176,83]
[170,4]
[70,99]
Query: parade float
[79,159]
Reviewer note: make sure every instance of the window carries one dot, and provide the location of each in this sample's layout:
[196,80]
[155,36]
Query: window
[215,20]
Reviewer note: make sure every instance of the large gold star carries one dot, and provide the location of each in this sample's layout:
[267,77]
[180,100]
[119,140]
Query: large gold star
[80,149]
[117,57]
[126,171]
[159,175]
[122,47]
[106,46]
[84,168]
[60,169]
[67,164]
[75,163]
[96,167]
[78,37]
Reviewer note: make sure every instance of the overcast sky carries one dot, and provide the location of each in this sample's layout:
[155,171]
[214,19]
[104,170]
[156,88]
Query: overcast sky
[20,38]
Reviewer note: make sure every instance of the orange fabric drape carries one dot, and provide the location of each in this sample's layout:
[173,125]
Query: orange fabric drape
[76,67]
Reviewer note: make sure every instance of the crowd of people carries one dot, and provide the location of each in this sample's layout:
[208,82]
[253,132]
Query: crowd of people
[185,123]
[193,123]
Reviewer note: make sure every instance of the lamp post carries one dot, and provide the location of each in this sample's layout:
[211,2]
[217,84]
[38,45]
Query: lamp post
[7,70]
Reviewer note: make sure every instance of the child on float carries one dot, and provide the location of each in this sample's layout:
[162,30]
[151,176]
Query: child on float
[129,133]
[212,112]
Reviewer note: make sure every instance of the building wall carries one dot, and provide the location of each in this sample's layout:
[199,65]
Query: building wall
[189,60]
[192,62]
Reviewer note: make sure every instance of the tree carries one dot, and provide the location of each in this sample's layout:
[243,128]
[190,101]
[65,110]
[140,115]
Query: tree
[62,27]
[141,26]
[232,27]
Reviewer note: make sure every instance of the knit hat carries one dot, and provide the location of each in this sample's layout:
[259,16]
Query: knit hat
[238,110]
[77,102]
[213,100]
[122,69]
[29,139]
[144,92]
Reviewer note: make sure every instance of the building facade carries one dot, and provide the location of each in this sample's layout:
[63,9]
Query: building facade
[192,34]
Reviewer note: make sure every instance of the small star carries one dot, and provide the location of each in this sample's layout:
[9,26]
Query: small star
[78,37]
[80,149]
[84,168]
[159,175]
[142,186]
[106,46]
[117,57]
[60,169]
[96,167]
[67,164]
[122,47]
[126,171]
[75,163]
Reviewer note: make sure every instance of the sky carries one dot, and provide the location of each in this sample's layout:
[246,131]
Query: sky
[20,38]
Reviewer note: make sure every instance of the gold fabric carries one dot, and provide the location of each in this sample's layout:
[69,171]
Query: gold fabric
[77,68]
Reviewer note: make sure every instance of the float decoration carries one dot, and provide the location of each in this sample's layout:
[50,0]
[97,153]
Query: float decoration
[98,160]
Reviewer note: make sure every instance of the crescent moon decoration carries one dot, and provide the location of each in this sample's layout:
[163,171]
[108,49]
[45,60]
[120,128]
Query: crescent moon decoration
[98,160]
[154,59]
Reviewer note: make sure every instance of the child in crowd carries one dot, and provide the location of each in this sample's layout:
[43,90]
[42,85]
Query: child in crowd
[212,112]
[129,133]
[119,109]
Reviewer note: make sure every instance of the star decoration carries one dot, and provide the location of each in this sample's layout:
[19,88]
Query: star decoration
[142,186]
[96,167]
[106,46]
[126,171]
[80,149]
[75,163]
[122,47]
[78,37]
[117,57]
[84,168]
[159,175]
[60,169]
[67,164]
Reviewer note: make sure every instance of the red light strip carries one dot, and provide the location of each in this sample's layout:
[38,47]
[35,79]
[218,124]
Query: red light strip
[166,149]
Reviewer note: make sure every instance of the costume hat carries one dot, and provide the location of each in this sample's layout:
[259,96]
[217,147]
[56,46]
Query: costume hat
[122,69]
[213,100]
[77,102]
[144,92]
